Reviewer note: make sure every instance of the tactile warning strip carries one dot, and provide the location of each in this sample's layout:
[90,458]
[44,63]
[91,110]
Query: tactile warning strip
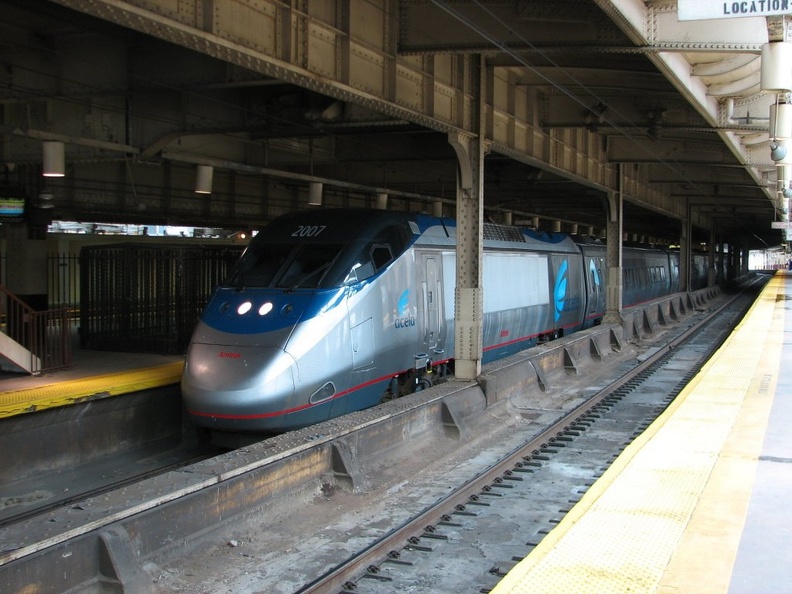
[100,386]
[622,534]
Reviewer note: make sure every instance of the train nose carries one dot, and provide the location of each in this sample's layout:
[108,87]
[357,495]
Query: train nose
[226,385]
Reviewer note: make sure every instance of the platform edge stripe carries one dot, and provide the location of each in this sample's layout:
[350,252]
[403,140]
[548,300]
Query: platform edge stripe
[101,386]
[513,582]
[718,522]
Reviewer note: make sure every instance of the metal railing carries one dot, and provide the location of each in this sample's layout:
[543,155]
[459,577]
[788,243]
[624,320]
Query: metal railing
[45,334]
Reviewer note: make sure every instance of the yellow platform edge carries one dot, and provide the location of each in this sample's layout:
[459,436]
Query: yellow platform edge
[628,532]
[64,393]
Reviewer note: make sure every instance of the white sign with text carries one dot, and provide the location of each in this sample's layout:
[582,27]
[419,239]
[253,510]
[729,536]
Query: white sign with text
[692,10]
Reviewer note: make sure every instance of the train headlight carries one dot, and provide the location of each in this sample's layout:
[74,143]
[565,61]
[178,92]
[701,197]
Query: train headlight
[244,308]
[265,309]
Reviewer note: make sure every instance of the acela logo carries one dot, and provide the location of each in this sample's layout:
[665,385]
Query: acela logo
[404,303]
[559,292]
[405,319]
[228,355]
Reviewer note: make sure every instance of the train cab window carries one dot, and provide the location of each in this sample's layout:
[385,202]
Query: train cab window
[285,266]
[258,265]
[307,266]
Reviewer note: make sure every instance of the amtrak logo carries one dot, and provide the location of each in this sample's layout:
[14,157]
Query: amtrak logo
[560,290]
[405,319]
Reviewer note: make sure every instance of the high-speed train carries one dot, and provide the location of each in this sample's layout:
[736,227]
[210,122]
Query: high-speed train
[334,311]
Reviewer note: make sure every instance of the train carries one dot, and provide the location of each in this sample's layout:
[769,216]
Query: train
[332,311]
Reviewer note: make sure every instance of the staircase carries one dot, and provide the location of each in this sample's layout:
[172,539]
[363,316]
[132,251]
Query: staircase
[32,341]
[15,357]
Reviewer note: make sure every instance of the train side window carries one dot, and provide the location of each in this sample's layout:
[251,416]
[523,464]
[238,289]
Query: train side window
[380,255]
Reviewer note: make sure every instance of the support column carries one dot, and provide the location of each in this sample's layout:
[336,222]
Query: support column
[469,297]
[720,262]
[684,253]
[712,276]
[615,288]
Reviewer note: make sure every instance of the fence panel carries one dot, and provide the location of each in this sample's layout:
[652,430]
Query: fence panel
[148,298]
[63,280]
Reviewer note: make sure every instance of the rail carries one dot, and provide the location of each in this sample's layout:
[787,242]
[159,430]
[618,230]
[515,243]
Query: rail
[45,335]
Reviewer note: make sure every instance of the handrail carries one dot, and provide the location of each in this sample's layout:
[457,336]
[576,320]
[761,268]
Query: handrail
[45,334]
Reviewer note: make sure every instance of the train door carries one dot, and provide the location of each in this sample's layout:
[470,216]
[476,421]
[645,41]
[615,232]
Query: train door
[431,302]
[568,293]
[595,307]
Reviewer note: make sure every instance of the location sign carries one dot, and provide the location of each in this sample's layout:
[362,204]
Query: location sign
[692,10]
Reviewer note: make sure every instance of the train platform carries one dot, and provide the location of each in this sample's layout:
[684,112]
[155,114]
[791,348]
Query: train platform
[698,504]
[93,374]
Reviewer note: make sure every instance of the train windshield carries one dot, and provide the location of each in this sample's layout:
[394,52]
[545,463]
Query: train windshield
[321,250]
[284,265]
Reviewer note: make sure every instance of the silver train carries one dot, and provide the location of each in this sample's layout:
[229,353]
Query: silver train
[334,311]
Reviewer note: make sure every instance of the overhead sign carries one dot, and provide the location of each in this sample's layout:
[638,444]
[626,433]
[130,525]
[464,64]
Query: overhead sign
[781,225]
[693,10]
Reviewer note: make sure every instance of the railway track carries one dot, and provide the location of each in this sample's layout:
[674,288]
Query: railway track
[125,472]
[385,500]
[468,540]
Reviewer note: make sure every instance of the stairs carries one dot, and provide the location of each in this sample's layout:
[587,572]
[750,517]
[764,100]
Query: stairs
[15,357]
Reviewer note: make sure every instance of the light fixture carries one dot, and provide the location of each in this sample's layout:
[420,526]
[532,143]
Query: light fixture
[203,179]
[382,200]
[54,159]
[315,193]
[778,150]
[775,74]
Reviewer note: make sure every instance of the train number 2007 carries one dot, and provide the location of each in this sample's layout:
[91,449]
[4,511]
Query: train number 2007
[308,230]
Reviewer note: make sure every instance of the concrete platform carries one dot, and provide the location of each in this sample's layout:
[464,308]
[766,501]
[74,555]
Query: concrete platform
[93,374]
[700,502]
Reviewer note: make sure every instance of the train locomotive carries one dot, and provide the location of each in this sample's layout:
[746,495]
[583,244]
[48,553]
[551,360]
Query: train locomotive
[333,311]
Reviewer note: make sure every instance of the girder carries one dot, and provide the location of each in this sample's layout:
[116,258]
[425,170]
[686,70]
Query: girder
[375,88]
